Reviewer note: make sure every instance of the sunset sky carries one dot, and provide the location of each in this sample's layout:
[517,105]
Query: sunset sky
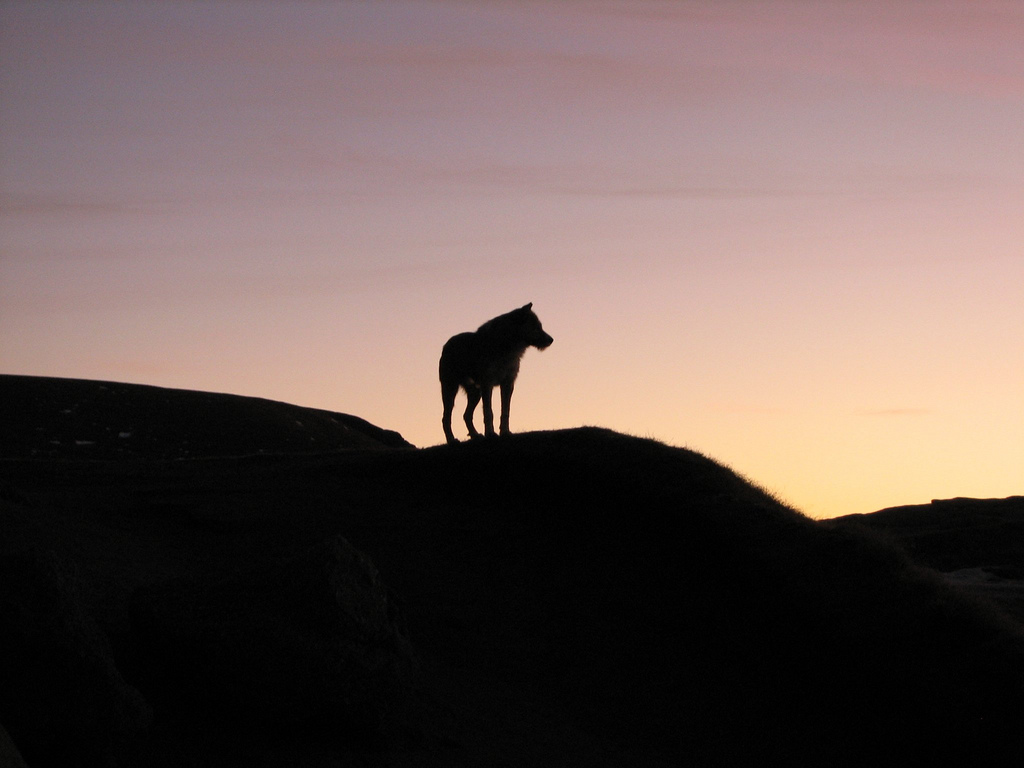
[789,235]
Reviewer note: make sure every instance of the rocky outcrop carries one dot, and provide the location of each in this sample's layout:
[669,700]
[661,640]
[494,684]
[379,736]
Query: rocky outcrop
[10,757]
[62,698]
[313,644]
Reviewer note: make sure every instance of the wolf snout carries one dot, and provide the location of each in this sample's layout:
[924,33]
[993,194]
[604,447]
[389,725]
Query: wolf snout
[544,341]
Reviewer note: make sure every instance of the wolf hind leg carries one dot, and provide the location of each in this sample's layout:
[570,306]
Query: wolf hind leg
[448,393]
[472,397]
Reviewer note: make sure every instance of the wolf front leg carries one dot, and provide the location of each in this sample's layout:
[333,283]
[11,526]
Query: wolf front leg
[506,405]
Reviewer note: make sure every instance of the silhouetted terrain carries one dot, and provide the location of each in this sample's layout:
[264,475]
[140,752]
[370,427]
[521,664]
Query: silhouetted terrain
[977,543]
[576,598]
[82,419]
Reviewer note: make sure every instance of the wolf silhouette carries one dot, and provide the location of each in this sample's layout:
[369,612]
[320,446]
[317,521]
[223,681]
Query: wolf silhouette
[480,360]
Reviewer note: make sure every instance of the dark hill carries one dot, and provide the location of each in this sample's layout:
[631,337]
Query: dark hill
[84,419]
[977,543]
[953,534]
[550,599]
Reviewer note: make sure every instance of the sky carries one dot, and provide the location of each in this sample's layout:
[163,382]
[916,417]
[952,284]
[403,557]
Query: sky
[788,235]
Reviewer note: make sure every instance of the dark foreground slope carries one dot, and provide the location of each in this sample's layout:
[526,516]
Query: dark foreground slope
[551,599]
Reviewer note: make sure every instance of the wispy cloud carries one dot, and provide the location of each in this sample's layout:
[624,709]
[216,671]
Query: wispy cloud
[747,409]
[592,179]
[899,412]
[18,204]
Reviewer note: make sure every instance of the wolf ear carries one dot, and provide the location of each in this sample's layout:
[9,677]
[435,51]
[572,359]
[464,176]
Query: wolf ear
[528,307]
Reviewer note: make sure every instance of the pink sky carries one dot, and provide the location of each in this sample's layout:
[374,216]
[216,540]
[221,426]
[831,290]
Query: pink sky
[787,235]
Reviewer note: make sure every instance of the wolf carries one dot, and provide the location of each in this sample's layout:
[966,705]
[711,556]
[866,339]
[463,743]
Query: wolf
[480,360]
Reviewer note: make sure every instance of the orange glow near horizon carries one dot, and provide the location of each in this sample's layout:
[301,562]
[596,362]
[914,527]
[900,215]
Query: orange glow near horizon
[787,235]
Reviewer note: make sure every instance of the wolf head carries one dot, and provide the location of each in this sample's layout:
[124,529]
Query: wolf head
[531,329]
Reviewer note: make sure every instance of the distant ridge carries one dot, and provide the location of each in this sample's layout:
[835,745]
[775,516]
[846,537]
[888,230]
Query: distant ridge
[952,534]
[55,418]
[978,544]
